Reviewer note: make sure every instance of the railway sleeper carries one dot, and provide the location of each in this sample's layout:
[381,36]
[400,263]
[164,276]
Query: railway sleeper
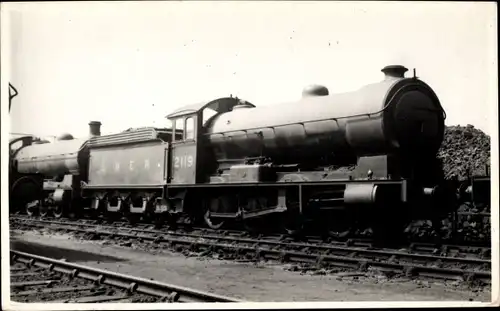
[351,262]
[131,285]
[54,290]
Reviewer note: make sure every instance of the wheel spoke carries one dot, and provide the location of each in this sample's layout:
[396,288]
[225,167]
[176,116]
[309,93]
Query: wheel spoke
[44,211]
[58,212]
[211,222]
[32,208]
[292,222]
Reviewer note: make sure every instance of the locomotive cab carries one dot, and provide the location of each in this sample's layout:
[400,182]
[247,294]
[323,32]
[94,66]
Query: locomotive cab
[183,149]
[190,159]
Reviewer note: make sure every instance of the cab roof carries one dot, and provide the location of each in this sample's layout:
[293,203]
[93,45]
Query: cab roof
[220,105]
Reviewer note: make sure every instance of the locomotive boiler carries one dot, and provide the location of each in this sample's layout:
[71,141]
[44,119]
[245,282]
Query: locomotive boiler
[336,161]
[394,115]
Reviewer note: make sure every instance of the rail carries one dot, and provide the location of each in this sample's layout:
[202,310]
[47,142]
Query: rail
[410,264]
[168,292]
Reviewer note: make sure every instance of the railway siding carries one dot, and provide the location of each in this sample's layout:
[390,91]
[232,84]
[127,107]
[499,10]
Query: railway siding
[411,262]
[41,279]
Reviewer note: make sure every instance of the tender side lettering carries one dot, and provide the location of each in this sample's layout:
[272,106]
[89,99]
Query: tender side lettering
[147,164]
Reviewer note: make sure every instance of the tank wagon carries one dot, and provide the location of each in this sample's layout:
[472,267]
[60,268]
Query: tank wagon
[328,161]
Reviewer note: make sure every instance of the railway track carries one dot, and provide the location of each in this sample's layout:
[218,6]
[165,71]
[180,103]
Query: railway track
[434,248]
[40,279]
[419,260]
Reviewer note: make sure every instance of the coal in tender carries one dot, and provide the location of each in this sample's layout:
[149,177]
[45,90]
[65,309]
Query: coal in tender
[464,149]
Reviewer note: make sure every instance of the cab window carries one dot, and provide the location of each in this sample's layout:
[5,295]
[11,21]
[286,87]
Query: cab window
[189,128]
[179,129]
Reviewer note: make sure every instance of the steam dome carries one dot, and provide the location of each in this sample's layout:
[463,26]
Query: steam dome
[65,136]
[315,90]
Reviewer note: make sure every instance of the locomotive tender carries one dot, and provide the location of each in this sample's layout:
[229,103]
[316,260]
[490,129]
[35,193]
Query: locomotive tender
[366,157]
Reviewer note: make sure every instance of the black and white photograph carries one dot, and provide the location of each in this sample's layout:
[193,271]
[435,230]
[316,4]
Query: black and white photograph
[249,154]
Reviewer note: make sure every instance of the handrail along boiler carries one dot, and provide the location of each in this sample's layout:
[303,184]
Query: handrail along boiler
[336,161]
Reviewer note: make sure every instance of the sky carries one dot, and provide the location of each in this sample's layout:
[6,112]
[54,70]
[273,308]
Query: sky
[130,64]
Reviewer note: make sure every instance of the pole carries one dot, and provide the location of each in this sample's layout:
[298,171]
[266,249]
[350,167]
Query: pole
[12,95]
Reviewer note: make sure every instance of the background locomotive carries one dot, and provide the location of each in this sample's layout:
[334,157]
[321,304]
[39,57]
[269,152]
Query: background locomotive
[334,161]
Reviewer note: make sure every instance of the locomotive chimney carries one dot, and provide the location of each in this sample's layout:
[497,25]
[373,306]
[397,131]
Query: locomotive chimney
[394,71]
[94,128]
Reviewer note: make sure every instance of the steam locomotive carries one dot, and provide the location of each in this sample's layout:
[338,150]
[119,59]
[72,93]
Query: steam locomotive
[326,162]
